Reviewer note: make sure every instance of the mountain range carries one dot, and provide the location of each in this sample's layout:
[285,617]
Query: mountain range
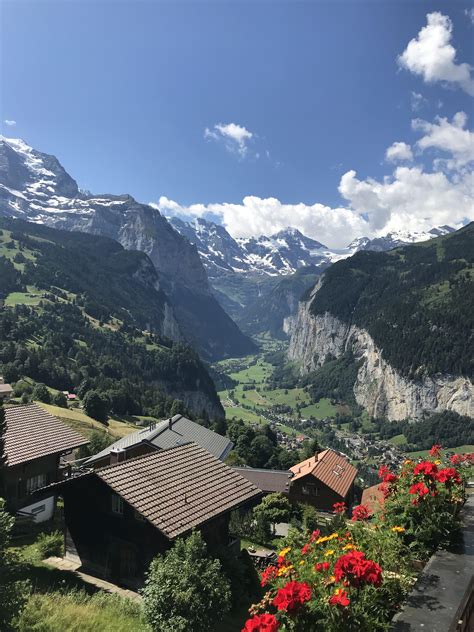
[35,187]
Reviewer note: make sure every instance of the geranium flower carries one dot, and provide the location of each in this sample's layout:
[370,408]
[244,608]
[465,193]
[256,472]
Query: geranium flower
[268,574]
[292,596]
[357,570]
[315,535]
[340,598]
[284,551]
[306,549]
[436,449]
[361,512]
[448,475]
[339,508]
[426,468]
[420,489]
[456,459]
[261,623]
[322,566]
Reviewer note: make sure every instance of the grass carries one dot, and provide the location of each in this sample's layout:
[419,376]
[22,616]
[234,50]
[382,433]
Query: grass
[244,414]
[85,425]
[76,611]
[33,296]
[321,410]
[399,439]
[421,454]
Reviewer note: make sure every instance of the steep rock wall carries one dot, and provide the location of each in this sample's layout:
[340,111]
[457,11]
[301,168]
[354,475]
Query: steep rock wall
[380,389]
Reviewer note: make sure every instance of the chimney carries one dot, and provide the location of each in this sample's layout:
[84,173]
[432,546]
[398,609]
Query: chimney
[170,423]
[117,455]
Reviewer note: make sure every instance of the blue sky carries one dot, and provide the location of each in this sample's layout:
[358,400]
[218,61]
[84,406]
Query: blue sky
[123,93]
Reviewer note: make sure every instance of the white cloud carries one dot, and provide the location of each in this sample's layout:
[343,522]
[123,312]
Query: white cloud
[432,56]
[399,152]
[235,137]
[9,122]
[470,14]
[264,216]
[417,101]
[449,137]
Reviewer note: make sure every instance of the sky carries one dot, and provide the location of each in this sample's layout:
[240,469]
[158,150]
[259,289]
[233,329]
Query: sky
[341,119]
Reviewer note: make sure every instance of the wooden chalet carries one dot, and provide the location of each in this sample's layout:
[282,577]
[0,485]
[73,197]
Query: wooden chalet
[6,390]
[119,517]
[373,498]
[322,480]
[178,430]
[34,443]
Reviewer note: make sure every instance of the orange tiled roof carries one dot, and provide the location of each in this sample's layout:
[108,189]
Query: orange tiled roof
[33,433]
[330,468]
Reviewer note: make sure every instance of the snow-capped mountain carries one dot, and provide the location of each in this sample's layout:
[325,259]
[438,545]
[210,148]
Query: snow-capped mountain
[36,188]
[280,254]
[396,239]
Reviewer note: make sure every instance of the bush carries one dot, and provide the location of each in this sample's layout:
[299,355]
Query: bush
[59,399]
[185,589]
[50,545]
[41,393]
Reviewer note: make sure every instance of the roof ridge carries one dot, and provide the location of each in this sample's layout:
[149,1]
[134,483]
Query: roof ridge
[145,456]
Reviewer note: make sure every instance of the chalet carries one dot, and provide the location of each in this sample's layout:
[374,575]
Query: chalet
[373,498]
[34,443]
[269,481]
[322,480]
[119,517]
[165,434]
[6,391]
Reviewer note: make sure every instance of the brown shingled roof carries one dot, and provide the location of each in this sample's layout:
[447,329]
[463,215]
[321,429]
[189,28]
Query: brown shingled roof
[267,480]
[33,433]
[179,488]
[330,468]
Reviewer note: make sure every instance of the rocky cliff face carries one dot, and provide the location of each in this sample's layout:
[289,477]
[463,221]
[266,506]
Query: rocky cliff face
[35,187]
[378,387]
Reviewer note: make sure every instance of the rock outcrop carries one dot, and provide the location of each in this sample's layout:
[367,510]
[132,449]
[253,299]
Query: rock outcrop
[380,389]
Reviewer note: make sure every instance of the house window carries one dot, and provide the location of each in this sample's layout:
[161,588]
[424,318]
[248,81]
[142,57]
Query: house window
[39,509]
[305,489]
[309,489]
[35,482]
[117,504]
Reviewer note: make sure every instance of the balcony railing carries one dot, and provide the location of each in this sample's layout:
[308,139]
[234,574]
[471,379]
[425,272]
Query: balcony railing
[442,599]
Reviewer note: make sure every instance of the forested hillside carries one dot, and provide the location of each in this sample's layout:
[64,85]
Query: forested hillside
[417,302]
[80,312]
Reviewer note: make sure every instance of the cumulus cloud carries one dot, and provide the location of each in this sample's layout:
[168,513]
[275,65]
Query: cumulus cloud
[399,152]
[470,14]
[433,57]
[9,122]
[449,137]
[410,199]
[235,137]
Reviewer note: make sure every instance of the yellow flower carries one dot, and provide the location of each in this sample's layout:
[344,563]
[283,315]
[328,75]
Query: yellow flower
[437,462]
[284,570]
[348,547]
[332,536]
[302,562]
[322,539]
[398,529]
[407,462]
[329,552]
[284,552]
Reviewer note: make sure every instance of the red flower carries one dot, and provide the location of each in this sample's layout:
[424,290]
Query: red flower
[261,623]
[306,549]
[291,596]
[268,574]
[456,459]
[448,475]
[322,566]
[357,570]
[361,512]
[383,471]
[339,508]
[315,535]
[420,489]
[426,468]
[435,449]
[339,598]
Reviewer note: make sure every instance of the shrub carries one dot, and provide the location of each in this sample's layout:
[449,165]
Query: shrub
[41,393]
[185,589]
[50,545]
